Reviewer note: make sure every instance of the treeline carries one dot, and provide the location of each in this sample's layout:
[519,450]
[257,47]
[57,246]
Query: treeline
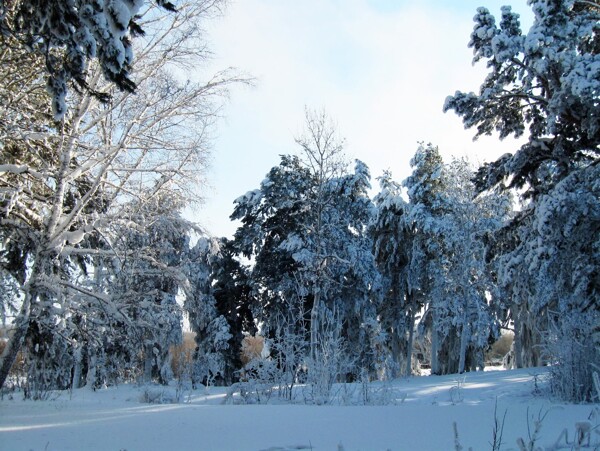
[95,253]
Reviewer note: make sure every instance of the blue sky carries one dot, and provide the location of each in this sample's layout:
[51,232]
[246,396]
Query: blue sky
[380,68]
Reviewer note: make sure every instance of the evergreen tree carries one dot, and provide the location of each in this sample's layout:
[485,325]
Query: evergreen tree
[233,296]
[213,334]
[306,227]
[443,231]
[398,257]
[218,305]
[147,283]
[70,34]
[426,207]
[544,83]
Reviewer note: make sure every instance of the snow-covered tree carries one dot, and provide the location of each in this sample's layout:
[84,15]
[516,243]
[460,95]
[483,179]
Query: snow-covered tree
[397,255]
[146,287]
[218,305]
[426,208]
[544,83]
[470,292]
[71,34]
[306,229]
[441,234]
[270,215]
[213,334]
[233,296]
[72,202]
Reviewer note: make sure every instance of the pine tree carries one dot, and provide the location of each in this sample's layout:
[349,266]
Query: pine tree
[425,191]
[545,84]
[70,34]
[398,257]
[213,333]
[306,227]
[218,302]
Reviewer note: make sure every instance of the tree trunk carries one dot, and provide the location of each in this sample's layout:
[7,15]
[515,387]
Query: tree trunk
[435,345]
[314,326]
[465,335]
[76,382]
[396,354]
[15,342]
[464,340]
[411,334]
[148,363]
[518,338]
[90,380]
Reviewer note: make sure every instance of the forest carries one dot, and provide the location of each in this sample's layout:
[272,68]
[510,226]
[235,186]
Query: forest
[104,139]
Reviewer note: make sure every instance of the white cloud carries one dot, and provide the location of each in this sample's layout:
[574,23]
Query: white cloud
[381,72]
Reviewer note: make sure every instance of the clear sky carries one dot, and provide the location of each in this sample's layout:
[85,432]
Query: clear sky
[381,69]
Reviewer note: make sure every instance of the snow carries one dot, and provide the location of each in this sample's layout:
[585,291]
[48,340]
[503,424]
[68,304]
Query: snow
[419,416]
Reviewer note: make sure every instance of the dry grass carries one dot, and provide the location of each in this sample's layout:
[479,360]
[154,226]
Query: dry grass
[18,369]
[183,355]
[252,347]
[500,348]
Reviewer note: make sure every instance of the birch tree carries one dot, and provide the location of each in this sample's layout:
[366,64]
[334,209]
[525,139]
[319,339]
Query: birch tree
[104,156]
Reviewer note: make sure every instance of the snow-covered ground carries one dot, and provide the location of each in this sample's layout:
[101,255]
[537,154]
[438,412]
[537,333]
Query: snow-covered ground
[414,414]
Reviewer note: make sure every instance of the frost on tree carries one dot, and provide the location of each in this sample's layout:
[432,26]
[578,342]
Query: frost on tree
[544,84]
[441,265]
[72,196]
[71,33]
[397,257]
[306,228]
[218,303]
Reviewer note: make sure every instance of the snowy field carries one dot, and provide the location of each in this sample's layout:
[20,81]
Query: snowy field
[413,414]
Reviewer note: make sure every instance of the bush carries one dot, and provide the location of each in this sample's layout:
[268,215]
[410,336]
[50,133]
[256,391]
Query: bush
[252,347]
[18,374]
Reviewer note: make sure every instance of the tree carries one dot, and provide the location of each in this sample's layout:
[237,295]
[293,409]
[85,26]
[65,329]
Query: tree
[470,292]
[148,287]
[546,80]
[270,215]
[74,206]
[544,83]
[426,207]
[233,297]
[433,251]
[212,331]
[71,34]
[398,259]
[218,305]
[306,227]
